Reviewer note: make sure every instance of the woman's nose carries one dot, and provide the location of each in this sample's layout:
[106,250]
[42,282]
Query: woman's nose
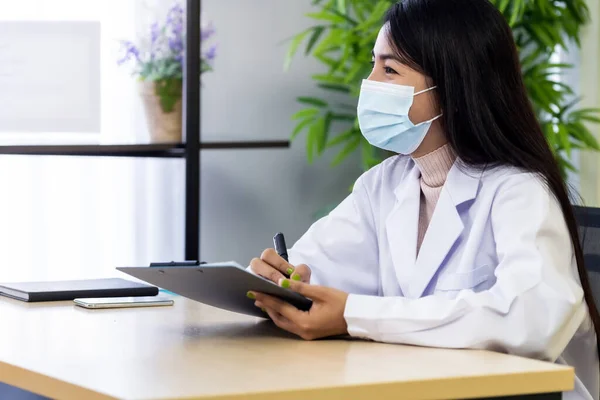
[374,76]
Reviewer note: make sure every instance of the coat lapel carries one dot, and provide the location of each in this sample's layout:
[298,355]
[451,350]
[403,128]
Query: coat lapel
[401,227]
[445,227]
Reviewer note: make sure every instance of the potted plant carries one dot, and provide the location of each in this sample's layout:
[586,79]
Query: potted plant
[158,66]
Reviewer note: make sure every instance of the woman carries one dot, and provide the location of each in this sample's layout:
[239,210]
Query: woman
[467,238]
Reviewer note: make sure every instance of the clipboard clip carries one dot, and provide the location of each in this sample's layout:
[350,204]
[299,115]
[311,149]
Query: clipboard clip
[178,264]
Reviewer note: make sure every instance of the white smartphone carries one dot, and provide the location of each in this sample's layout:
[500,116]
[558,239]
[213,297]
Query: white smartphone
[124,302]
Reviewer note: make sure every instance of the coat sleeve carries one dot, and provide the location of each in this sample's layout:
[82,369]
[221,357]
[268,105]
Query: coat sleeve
[341,248]
[534,308]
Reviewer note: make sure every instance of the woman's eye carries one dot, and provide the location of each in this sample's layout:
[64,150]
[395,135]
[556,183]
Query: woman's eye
[389,70]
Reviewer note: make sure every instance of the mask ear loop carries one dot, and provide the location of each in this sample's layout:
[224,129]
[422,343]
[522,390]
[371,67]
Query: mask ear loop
[425,91]
[431,120]
[434,118]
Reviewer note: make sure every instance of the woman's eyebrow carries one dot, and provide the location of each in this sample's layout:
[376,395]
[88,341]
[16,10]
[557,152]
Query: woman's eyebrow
[384,57]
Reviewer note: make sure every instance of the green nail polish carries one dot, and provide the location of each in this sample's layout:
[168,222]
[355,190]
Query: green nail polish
[251,295]
[285,284]
[296,277]
[290,271]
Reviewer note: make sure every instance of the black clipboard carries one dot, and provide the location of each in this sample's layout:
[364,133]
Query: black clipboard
[223,285]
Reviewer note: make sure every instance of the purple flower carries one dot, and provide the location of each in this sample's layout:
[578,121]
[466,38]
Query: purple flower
[130,50]
[206,32]
[154,32]
[175,18]
[177,29]
[176,45]
[211,53]
[166,46]
[176,12]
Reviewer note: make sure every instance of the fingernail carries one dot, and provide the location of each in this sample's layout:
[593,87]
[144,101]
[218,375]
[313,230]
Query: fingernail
[250,295]
[290,271]
[264,310]
[285,283]
[296,277]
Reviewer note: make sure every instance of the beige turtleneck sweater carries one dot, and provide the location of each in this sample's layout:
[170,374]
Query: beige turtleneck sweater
[434,169]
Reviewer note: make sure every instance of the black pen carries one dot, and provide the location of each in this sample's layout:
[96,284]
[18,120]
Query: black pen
[280,247]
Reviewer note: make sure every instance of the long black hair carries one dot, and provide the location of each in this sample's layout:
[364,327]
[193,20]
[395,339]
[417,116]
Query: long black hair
[467,49]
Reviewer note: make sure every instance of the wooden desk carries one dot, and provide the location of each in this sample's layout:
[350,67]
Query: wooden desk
[191,351]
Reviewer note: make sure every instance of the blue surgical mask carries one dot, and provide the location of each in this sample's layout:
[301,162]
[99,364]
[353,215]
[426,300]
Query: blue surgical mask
[383,117]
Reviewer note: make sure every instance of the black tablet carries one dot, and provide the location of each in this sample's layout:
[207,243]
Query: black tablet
[222,285]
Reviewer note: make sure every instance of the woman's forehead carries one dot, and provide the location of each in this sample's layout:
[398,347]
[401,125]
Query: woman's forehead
[382,45]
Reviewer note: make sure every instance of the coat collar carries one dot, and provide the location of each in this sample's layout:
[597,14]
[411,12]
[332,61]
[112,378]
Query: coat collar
[415,273]
[462,182]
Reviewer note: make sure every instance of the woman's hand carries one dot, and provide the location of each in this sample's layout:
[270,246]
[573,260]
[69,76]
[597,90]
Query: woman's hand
[325,317]
[272,266]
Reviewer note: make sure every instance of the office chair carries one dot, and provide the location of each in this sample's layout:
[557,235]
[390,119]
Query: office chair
[588,221]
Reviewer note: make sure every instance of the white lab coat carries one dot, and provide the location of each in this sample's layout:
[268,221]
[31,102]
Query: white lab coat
[495,270]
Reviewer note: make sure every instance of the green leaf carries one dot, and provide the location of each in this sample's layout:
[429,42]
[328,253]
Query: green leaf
[346,51]
[590,118]
[335,87]
[350,147]
[583,134]
[377,14]
[332,42]
[550,135]
[361,9]
[322,144]
[344,137]
[327,16]
[585,114]
[314,38]
[565,108]
[518,7]
[580,14]
[306,113]
[300,127]
[343,117]
[341,6]
[312,101]
[540,98]
[567,165]
[326,60]
[358,71]
[326,78]
[296,41]
[319,135]
[563,137]
[565,89]
[541,36]
[344,15]
[587,111]
[503,5]
[531,58]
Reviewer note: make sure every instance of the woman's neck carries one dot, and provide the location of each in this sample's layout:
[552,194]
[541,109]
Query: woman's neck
[435,165]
